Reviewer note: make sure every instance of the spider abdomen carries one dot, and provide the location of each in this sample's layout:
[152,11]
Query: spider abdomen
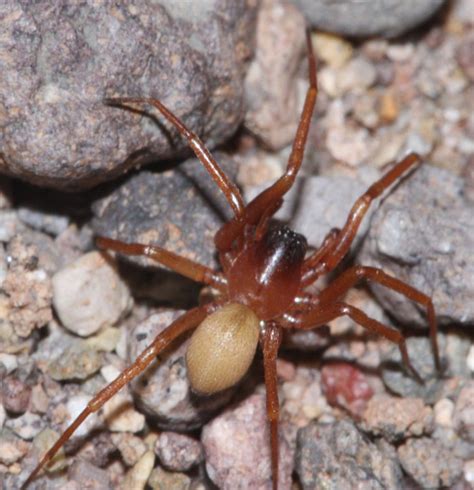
[222,348]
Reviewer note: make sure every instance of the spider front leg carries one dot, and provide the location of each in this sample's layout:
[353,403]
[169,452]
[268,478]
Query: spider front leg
[352,276]
[183,324]
[324,313]
[229,189]
[268,201]
[187,268]
[316,266]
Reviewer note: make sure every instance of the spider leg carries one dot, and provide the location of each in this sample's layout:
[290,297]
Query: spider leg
[229,189]
[312,265]
[184,323]
[271,339]
[352,276]
[325,313]
[269,197]
[341,245]
[175,262]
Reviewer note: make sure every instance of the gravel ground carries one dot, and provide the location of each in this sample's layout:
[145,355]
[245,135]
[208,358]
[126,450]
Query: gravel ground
[71,318]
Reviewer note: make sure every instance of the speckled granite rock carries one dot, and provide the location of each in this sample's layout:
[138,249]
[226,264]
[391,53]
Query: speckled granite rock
[389,18]
[422,234]
[60,61]
[180,210]
[335,456]
[272,91]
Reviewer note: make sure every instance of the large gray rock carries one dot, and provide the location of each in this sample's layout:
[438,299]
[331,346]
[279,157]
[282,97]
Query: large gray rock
[423,235]
[388,18]
[59,60]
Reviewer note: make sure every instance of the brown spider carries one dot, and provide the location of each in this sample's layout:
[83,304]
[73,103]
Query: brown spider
[261,289]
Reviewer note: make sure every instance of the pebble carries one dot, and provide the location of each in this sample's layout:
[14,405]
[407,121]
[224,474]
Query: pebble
[120,415]
[27,426]
[15,394]
[443,413]
[89,476]
[27,286]
[273,95]
[470,359]
[106,340]
[75,405]
[323,203]
[131,447]
[400,381]
[51,223]
[346,386]
[332,49]
[75,363]
[421,235]
[397,418]
[303,399]
[337,455]
[12,448]
[237,447]
[3,414]
[369,18]
[89,295]
[160,479]
[469,471]
[463,416]
[356,76]
[429,463]
[178,452]
[9,361]
[137,476]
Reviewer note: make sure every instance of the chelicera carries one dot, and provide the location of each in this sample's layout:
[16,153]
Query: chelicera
[261,289]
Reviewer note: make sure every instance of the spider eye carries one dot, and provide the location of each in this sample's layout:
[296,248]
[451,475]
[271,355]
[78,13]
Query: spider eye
[222,348]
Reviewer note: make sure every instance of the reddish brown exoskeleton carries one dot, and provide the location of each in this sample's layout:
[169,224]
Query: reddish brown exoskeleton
[261,287]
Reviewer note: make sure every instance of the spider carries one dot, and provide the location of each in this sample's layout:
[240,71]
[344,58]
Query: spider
[260,290]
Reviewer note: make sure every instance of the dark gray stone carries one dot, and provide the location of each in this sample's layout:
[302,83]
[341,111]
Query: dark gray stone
[388,18]
[338,456]
[179,210]
[422,234]
[323,203]
[60,60]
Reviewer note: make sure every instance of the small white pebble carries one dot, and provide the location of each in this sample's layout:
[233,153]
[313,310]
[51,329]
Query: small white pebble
[9,361]
[443,411]
[122,344]
[89,294]
[109,372]
[469,471]
[75,405]
[120,416]
[138,475]
[470,359]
